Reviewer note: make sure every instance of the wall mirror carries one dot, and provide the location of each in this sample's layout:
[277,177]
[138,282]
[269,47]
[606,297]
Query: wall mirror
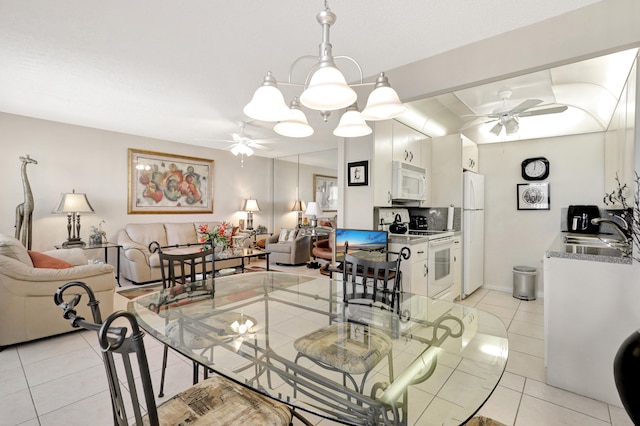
[293,179]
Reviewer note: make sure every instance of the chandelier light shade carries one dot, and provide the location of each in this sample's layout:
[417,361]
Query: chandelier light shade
[296,126]
[268,102]
[352,125]
[73,204]
[325,89]
[250,206]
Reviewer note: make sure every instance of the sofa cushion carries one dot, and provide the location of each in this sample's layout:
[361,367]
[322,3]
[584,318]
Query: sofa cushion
[146,233]
[41,260]
[287,234]
[181,233]
[12,248]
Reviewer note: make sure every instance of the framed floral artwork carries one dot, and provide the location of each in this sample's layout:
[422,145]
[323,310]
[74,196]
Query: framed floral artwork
[169,183]
[326,192]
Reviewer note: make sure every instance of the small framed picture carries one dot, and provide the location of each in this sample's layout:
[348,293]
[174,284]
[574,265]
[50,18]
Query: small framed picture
[358,173]
[533,196]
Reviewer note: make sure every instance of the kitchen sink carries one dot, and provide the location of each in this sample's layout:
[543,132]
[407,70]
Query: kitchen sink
[602,244]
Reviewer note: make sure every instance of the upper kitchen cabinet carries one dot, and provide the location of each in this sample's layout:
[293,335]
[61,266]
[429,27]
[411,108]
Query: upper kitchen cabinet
[446,171]
[394,141]
[469,154]
[407,144]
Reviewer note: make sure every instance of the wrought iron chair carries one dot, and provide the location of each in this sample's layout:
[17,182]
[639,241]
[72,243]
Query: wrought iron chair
[180,268]
[216,400]
[354,344]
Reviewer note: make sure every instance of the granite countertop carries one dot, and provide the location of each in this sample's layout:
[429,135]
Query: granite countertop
[595,254]
[407,240]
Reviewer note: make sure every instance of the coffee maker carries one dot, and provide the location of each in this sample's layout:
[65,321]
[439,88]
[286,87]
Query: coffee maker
[579,219]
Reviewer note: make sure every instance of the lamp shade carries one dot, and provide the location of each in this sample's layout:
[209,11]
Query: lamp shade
[250,205]
[298,206]
[328,91]
[313,209]
[383,103]
[267,103]
[296,126]
[352,125]
[73,203]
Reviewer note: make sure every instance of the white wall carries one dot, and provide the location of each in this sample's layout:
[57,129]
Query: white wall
[521,237]
[95,162]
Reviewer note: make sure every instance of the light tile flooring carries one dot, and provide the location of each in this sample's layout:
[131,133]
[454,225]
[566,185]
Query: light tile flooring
[60,380]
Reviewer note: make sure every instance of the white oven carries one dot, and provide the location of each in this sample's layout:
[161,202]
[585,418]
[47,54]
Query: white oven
[440,264]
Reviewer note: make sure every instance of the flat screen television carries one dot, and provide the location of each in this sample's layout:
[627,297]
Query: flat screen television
[358,239]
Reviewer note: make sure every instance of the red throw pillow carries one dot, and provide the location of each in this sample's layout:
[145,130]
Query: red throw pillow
[41,260]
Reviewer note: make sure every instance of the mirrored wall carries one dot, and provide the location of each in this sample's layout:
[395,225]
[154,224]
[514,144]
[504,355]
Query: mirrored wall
[295,178]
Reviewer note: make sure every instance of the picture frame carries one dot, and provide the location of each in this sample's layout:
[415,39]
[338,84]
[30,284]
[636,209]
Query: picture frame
[325,192]
[533,196]
[358,173]
[161,183]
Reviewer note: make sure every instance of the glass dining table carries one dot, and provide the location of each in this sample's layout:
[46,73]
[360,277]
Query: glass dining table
[447,358]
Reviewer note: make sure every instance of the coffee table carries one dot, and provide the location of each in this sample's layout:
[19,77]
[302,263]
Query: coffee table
[247,253]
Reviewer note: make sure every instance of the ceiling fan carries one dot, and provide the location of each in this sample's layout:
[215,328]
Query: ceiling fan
[508,118]
[243,144]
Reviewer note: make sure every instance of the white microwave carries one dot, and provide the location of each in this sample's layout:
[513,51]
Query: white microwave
[409,182]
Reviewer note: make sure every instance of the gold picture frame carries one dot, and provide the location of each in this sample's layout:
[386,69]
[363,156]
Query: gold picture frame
[168,183]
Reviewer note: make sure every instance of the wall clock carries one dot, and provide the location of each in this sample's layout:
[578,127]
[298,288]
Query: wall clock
[535,168]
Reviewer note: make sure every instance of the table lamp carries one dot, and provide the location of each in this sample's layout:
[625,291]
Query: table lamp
[250,206]
[313,210]
[73,204]
[299,207]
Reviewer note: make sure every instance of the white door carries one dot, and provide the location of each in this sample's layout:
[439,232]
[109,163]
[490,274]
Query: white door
[473,191]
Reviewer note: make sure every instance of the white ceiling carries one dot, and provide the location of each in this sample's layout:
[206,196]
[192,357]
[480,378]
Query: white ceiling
[183,71]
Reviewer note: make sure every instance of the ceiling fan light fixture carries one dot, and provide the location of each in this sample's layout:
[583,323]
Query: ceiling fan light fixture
[383,103]
[352,125]
[243,149]
[496,129]
[267,103]
[512,126]
[296,126]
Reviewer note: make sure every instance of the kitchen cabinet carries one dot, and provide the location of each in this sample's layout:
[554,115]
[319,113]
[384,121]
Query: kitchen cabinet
[415,269]
[456,289]
[469,154]
[407,144]
[391,139]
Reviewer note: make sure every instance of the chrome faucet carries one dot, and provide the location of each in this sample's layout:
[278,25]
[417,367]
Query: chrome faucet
[620,229]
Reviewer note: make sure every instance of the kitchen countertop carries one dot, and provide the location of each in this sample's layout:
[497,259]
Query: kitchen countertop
[413,239]
[595,254]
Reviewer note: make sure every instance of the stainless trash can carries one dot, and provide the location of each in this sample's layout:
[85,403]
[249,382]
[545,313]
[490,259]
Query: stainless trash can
[524,282]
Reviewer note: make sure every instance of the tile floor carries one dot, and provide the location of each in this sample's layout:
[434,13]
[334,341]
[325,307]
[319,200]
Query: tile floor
[60,380]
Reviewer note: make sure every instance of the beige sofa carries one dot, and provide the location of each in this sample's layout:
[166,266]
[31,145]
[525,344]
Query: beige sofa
[27,310]
[139,265]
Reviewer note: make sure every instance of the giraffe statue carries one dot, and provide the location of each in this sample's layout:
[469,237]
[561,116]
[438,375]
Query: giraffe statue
[24,210]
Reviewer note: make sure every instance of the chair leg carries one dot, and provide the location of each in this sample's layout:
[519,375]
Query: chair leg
[164,368]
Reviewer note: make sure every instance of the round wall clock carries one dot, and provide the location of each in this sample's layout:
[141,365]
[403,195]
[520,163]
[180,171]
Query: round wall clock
[535,168]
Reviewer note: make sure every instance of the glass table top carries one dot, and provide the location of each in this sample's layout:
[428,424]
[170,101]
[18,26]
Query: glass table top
[446,358]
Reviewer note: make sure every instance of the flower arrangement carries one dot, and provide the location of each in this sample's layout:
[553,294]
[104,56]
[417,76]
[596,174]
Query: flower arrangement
[219,236]
[97,235]
[630,212]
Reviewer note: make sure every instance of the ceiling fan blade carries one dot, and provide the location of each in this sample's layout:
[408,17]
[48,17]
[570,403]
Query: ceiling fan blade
[496,129]
[529,103]
[553,110]
[255,145]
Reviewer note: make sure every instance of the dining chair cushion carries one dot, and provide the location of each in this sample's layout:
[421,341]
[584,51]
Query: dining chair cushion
[349,347]
[219,401]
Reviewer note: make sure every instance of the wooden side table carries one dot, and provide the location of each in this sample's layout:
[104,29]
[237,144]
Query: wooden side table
[106,247]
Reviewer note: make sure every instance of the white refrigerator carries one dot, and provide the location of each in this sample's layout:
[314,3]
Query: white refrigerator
[472,233]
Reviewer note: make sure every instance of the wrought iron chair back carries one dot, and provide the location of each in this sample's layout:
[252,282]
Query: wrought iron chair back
[180,268]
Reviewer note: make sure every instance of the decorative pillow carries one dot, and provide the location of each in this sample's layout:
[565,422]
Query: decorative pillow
[284,235]
[12,248]
[41,260]
[292,235]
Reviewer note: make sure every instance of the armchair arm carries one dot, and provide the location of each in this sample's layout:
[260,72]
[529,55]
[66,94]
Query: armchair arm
[131,250]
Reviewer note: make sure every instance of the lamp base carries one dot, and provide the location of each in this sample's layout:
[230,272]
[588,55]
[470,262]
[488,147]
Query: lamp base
[74,242]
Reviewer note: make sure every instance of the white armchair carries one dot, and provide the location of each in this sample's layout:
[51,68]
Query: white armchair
[288,250]
[27,311]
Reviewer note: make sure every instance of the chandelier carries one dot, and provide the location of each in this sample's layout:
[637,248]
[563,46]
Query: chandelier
[325,89]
